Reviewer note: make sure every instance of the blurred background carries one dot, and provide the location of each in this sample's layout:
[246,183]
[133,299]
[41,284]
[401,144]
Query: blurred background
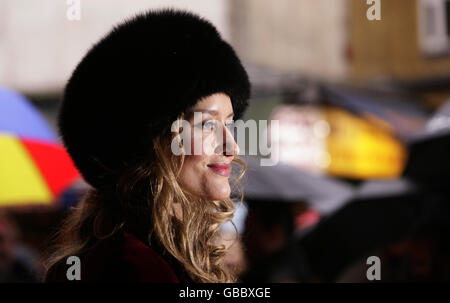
[364,118]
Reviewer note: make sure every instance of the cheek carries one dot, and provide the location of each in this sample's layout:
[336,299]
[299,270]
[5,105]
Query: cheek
[202,145]
[192,170]
[196,177]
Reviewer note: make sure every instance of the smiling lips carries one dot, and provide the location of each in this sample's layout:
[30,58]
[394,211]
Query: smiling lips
[222,169]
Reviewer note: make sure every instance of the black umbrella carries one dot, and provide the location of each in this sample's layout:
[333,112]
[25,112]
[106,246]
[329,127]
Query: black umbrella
[429,152]
[389,188]
[284,182]
[380,214]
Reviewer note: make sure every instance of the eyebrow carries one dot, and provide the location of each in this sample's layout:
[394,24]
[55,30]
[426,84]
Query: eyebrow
[209,111]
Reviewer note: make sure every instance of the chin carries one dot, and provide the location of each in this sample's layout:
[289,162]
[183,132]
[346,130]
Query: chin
[220,193]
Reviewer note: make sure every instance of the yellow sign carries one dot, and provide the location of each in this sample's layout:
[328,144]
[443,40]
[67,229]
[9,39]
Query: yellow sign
[362,148]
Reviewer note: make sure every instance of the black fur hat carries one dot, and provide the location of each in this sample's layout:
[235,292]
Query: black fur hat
[133,84]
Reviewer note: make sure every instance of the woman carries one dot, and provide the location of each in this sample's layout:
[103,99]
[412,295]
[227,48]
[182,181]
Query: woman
[152,214]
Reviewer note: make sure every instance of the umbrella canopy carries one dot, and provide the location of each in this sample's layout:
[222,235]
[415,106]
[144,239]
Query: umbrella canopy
[379,213]
[382,213]
[372,189]
[284,182]
[34,167]
[429,160]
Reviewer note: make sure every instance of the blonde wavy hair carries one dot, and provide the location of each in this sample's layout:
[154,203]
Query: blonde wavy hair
[144,202]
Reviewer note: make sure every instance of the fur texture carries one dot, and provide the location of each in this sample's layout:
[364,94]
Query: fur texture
[134,82]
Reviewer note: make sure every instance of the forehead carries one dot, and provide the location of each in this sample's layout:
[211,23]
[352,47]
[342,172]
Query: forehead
[218,101]
[218,104]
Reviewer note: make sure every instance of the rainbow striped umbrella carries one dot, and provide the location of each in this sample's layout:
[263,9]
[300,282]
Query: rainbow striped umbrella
[34,166]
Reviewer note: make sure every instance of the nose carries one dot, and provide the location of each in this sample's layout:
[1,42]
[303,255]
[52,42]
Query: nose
[229,146]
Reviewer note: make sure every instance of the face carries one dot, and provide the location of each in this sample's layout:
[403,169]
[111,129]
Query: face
[206,169]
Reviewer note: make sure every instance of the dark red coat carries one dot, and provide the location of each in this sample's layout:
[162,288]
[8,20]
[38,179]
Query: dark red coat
[122,258]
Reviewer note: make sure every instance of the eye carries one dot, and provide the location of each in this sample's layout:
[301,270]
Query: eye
[229,124]
[208,125]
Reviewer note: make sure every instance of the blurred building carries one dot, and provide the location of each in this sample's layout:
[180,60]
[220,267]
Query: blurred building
[293,36]
[321,39]
[335,41]
[410,45]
